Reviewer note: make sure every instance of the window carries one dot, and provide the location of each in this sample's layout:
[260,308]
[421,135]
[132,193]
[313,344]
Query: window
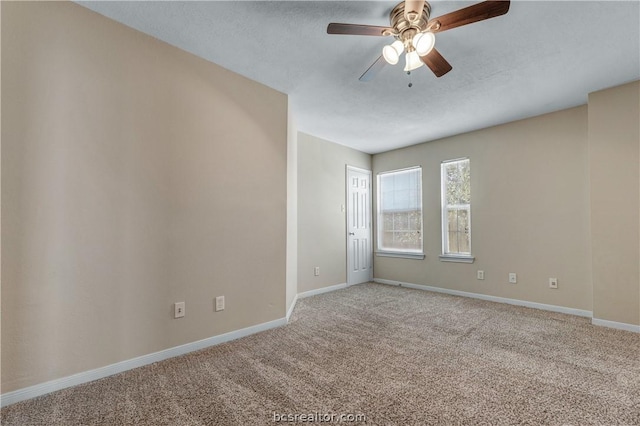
[400,213]
[456,210]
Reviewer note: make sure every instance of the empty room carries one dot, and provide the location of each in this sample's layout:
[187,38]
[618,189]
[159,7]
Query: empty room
[320,212]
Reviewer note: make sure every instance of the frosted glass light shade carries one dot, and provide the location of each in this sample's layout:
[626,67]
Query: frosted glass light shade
[392,52]
[413,61]
[424,42]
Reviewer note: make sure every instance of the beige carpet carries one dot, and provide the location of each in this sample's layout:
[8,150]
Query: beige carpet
[397,356]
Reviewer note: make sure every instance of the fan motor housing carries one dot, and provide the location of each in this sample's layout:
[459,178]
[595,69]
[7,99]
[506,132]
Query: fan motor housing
[400,24]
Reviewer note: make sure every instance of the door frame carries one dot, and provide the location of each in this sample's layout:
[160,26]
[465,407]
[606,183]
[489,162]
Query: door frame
[346,219]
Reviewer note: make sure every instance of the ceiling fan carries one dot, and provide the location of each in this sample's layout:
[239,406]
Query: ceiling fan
[414,33]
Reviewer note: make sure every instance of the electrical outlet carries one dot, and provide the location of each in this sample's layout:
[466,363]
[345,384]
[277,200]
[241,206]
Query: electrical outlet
[553,283]
[513,278]
[178,309]
[219,303]
[316,271]
[481,275]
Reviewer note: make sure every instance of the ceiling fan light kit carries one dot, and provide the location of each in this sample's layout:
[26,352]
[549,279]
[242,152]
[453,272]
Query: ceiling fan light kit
[414,31]
[392,52]
[424,42]
[412,61]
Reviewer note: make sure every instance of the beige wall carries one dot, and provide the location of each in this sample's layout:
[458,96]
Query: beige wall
[614,154]
[292,209]
[130,171]
[134,175]
[530,211]
[321,223]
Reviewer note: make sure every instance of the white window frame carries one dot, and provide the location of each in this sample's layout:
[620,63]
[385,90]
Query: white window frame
[460,257]
[390,252]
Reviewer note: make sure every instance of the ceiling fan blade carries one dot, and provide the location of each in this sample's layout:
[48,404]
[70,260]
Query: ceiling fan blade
[413,9]
[373,70]
[436,62]
[355,29]
[469,15]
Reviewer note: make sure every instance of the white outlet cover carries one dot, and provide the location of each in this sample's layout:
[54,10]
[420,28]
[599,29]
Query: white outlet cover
[513,278]
[219,303]
[481,275]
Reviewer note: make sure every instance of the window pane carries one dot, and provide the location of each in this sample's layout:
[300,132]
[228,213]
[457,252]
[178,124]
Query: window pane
[465,183]
[458,183]
[463,232]
[401,221]
[456,199]
[453,242]
[453,220]
[400,210]
[463,223]
[387,239]
[415,221]
[387,221]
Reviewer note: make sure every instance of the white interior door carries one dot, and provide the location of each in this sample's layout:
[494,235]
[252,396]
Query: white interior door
[359,234]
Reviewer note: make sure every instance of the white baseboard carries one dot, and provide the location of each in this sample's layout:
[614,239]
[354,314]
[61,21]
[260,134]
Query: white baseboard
[545,307]
[98,373]
[617,325]
[321,290]
[553,308]
[119,367]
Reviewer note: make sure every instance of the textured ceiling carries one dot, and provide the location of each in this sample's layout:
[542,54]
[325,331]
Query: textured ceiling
[540,57]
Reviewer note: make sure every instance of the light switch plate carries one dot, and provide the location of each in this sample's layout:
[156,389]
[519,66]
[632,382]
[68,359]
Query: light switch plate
[178,310]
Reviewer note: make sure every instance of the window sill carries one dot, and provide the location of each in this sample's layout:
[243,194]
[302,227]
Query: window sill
[403,255]
[456,258]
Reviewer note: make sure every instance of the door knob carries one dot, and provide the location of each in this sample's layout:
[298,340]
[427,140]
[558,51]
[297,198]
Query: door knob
[352,233]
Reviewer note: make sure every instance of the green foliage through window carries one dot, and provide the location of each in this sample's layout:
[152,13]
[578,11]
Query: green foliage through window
[456,207]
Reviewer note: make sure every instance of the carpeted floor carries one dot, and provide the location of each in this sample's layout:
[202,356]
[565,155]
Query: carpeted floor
[397,356]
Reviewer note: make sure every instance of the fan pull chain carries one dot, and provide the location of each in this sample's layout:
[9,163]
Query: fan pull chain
[409,74]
